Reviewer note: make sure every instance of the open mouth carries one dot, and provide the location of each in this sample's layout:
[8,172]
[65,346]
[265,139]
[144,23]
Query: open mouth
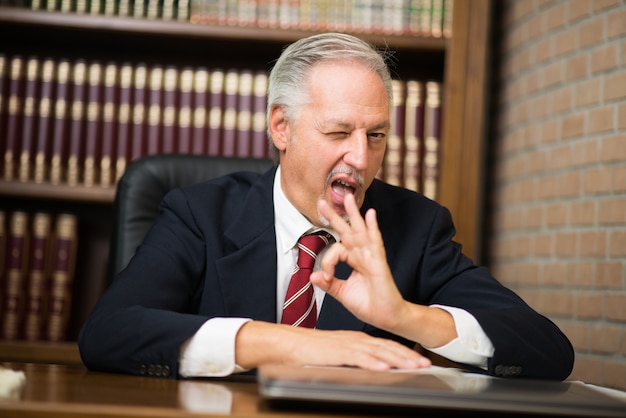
[342,188]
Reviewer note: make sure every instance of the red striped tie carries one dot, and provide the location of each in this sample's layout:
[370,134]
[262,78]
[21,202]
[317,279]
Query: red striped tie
[299,309]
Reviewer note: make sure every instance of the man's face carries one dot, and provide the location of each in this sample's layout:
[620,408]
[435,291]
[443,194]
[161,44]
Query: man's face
[338,143]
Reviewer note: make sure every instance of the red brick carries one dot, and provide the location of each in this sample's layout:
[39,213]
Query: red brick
[578,334]
[588,92]
[548,187]
[570,184]
[614,148]
[615,86]
[597,181]
[565,42]
[588,369]
[589,305]
[560,157]
[605,338]
[605,58]
[615,374]
[543,51]
[585,152]
[593,243]
[551,130]
[610,275]
[583,213]
[602,119]
[577,67]
[616,306]
[557,214]
[612,211]
[553,74]
[581,273]
[554,18]
[573,126]
[566,244]
[543,244]
[592,32]
[579,9]
[621,118]
[617,243]
[617,23]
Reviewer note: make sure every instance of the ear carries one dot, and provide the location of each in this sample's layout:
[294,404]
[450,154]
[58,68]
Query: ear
[279,127]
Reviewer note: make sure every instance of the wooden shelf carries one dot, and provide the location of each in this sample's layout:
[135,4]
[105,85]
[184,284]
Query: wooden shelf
[40,352]
[60,192]
[186,29]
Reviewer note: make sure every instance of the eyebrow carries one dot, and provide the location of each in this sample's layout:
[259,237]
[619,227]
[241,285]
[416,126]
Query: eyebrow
[347,126]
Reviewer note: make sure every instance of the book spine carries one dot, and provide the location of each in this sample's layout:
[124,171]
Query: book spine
[170,106]
[60,130]
[153,130]
[448,6]
[17,246]
[231,83]
[123,119]
[44,132]
[3,261]
[29,117]
[244,114]
[4,82]
[108,124]
[260,145]
[138,120]
[184,112]
[432,120]
[37,277]
[199,137]
[93,130]
[436,18]
[14,117]
[393,159]
[77,122]
[413,137]
[62,276]
[216,111]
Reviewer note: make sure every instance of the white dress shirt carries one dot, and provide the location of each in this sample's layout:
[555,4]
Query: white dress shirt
[211,351]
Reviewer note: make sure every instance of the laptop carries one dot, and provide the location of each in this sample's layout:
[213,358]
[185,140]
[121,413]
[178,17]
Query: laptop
[435,389]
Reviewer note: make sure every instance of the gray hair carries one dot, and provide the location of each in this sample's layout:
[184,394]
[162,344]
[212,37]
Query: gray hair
[288,78]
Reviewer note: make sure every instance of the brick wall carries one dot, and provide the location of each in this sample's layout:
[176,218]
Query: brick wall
[558,172]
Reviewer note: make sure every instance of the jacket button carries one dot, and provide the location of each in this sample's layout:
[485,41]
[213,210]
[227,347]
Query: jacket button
[166,370]
[143,370]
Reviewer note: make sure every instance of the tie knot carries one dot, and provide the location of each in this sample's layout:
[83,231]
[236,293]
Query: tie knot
[309,246]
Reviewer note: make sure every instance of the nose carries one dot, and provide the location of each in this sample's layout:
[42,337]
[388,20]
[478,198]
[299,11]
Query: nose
[357,150]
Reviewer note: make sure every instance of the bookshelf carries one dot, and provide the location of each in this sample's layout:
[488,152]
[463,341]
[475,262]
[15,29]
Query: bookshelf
[459,62]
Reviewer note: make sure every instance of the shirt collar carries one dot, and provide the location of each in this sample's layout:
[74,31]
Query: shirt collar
[290,223]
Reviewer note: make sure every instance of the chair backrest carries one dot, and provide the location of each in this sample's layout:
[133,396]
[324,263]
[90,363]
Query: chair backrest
[144,184]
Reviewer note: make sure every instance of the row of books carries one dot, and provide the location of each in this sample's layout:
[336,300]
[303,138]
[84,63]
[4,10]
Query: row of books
[37,256]
[79,122]
[415,17]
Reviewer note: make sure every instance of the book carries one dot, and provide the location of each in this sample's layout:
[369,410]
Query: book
[3,260]
[17,250]
[260,144]
[77,124]
[4,85]
[61,122]
[184,112]
[229,120]
[432,121]
[138,119]
[93,130]
[29,126]
[392,169]
[244,114]
[154,110]
[414,131]
[45,116]
[62,276]
[124,114]
[36,282]
[14,117]
[199,128]
[170,106]
[108,123]
[216,111]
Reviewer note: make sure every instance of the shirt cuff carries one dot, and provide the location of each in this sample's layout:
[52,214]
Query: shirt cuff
[472,346]
[210,352]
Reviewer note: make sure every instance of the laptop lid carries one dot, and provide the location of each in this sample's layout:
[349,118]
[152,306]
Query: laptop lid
[435,388]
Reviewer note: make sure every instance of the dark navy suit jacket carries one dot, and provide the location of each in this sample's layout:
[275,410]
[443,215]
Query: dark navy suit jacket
[212,252]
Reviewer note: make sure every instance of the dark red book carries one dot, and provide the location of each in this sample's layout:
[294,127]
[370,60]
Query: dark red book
[216,110]
[60,129]
[414,135]
[199,128]
[154,110]
[139,113]
[37,278]
[17,259]
[93,131]
[229,119]
[244,114]
[122,148]
[3,260]
[77,126]
[13,135]
[185,110]
[62,276]
[260,145]
[392,167]
[45,115]
[29,120]
[5,61]
[170,107]
[109,108]
[432,122]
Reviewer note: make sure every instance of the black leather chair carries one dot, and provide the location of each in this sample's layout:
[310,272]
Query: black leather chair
[144,184]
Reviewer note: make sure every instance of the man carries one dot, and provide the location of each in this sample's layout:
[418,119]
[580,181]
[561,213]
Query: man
[205,293]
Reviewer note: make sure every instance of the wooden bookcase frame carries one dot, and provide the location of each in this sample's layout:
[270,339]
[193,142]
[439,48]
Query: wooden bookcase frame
[464,59]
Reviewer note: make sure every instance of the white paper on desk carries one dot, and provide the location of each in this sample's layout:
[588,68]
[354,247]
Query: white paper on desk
[11,383]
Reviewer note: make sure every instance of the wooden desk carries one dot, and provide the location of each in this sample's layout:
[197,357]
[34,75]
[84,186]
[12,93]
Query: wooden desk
[61,391]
